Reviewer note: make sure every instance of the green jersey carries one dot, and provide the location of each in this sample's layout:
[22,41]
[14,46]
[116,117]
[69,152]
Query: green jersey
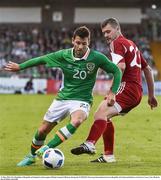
[79,75]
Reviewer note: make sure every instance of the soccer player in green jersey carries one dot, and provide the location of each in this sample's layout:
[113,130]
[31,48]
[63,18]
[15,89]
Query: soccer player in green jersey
[79,66]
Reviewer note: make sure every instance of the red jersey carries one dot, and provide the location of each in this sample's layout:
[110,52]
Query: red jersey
[130,91]
[124,50]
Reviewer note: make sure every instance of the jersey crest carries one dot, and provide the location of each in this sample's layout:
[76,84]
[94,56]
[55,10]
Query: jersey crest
[90,66]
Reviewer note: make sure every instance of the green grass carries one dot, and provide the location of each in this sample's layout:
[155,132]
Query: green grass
[137,150]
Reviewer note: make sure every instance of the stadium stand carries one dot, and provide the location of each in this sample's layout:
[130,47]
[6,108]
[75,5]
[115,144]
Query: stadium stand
[50,27]
[19,44]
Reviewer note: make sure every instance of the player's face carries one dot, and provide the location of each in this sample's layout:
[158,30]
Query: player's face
[110,33]
[80,46]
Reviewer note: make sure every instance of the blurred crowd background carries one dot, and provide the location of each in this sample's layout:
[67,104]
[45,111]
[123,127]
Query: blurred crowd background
[21,42]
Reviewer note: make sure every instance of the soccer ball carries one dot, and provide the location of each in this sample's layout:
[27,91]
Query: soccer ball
[53,158]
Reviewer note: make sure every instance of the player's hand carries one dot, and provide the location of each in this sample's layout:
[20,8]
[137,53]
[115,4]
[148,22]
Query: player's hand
[110,98]
[152,101]
[11,66]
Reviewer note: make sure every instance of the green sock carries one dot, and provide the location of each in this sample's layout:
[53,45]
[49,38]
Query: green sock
[37,142]
[61,135]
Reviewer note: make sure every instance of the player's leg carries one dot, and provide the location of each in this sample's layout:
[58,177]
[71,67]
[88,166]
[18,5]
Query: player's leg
[54,113]
[78,114]
[40,135]
[37,142]
[97,129]
[125,101]
[108,140]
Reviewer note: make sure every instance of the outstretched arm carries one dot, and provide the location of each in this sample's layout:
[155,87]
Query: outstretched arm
[11,66]
[110,95]
[152,101]
[14,67]
[112,68]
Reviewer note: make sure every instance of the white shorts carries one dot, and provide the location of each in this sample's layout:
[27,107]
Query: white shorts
[60,109]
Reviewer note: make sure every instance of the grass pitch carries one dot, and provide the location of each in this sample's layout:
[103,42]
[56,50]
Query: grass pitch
[137,139]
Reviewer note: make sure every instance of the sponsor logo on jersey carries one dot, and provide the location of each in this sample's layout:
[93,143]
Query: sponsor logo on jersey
[69,66]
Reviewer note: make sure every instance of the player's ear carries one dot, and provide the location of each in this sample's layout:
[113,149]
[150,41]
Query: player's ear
[118,29]
[73,40]
[89,40]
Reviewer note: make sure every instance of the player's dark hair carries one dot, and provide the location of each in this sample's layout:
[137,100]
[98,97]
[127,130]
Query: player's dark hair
[112,21]
[82,32]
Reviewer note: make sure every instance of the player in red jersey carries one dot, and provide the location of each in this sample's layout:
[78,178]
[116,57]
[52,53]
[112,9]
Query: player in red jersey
[127,56]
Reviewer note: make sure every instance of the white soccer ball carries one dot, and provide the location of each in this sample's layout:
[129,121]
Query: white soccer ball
[53,158]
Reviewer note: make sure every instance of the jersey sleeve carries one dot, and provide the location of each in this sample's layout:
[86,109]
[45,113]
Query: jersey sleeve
[32,62]
[51,60]
[117,52]
[54,59]
[110,67]
[144,64]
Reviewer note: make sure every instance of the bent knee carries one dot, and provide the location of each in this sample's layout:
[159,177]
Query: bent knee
[78,117]
[77,122]
[106,114]
[42,131]
[100,115]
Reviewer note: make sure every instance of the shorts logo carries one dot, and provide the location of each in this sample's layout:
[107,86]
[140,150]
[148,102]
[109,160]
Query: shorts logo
[90,66]
[84,105]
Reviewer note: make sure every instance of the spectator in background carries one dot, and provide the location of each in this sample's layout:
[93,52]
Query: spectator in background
[2,60]
[29,89]
[23,43]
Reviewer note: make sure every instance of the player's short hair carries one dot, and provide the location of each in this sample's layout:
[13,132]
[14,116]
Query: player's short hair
[82,32]
[112,21]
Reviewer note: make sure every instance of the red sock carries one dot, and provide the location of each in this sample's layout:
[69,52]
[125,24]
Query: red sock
[97,130]
[108,138]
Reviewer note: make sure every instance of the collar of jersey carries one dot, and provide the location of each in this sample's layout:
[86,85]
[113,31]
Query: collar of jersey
[83,58]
